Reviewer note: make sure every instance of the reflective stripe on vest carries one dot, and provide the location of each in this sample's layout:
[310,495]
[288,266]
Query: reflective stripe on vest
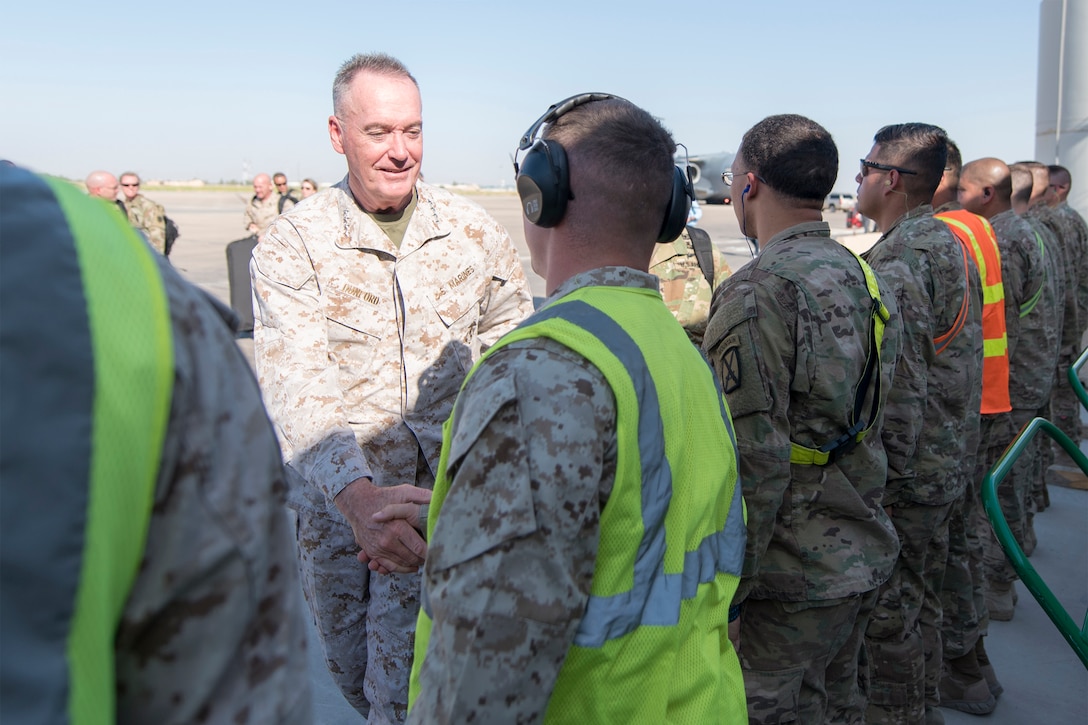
[859,427]
[125,320]
[977,236]
[644,584]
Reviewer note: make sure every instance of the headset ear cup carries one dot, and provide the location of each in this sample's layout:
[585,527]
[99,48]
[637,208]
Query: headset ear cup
[544,183]
[676,213]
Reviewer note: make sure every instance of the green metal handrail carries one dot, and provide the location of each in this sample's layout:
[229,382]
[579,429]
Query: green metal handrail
[1077,639]
[1074,379]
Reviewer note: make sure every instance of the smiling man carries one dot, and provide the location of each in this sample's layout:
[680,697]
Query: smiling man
[263,207]
[373,299]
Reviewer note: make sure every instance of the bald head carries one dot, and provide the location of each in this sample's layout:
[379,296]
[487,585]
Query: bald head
[262,186]
[102,184]
[985,187]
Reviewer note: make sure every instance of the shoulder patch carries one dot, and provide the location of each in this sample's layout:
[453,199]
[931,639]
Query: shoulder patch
[731,369]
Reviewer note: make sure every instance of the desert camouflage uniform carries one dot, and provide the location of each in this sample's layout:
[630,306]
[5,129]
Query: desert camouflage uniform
[683,284]
[212,629]
[1032,361]
[261,213]
[149,218]
[360,349]
[932,415]
[537,423]
[788,338]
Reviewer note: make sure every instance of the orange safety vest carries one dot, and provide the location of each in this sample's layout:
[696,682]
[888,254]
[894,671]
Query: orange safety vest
[977,237]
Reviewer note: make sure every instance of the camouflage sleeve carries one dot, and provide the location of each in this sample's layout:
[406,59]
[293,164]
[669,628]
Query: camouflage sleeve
[751,346]
[155,226]
[1080,253]
[509,300]
[510,563]
[212,630]
[722,271]
[300,382]
[904,413]
[250,216]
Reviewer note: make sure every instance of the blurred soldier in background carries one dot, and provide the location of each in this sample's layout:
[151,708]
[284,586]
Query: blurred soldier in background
[263,207]
[144,214]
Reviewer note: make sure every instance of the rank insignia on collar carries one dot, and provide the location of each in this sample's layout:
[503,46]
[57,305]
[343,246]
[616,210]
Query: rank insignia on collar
[731,371]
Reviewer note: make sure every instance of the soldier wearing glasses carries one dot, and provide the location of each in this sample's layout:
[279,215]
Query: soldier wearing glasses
[804,341]
[932,408]
[144,214]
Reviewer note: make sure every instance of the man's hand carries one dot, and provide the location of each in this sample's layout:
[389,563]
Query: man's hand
[387,546]
[734,634]
[409,512]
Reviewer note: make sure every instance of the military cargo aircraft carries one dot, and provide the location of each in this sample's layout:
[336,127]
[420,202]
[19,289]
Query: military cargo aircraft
[706,176]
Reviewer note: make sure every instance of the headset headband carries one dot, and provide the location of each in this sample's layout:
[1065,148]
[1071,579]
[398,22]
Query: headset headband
[555,111]
[558,109]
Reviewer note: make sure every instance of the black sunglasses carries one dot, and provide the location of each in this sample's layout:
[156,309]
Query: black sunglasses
[866,165]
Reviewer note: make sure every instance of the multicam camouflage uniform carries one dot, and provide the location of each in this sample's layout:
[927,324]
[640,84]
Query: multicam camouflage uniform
[1032,360]
[149,218]
[683,284]
[536,423]
[360,350]
[788,338]
[932,415]
[261,213]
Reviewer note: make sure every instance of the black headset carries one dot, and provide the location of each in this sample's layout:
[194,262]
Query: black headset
[543,177]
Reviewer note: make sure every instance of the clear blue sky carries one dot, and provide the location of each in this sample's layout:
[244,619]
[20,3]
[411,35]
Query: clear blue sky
[206,89]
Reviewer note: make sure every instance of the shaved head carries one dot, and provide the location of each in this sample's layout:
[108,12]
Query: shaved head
[1060,181]
[102,184]
[985,187]
[262,186]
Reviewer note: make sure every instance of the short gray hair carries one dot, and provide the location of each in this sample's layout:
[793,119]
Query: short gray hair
[379,63]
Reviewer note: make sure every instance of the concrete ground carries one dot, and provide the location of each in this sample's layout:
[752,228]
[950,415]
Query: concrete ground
[1043,680]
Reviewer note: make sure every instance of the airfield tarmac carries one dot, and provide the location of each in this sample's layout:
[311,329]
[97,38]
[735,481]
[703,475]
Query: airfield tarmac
[1043,679]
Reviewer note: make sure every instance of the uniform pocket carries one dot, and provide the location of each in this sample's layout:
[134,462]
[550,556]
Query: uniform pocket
[773,696]
[457,300]
[354,312]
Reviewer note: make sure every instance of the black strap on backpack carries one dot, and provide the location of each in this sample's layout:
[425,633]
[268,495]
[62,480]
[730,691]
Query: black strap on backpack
[283,200]
[704,253]
[172,234]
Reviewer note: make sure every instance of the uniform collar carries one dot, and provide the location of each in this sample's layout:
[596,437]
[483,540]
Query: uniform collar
[360,231]
[805,229]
